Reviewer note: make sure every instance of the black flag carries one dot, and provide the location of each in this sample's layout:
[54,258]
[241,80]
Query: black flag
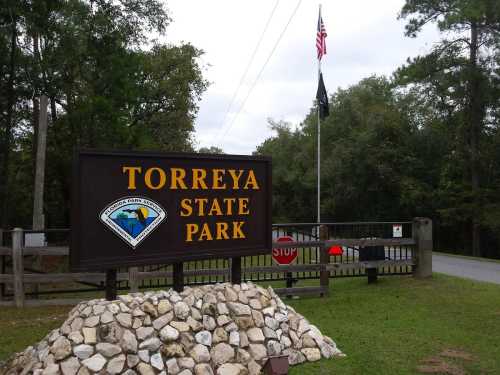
[322,98]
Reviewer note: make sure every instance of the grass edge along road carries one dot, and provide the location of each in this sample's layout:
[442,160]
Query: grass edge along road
[392,327]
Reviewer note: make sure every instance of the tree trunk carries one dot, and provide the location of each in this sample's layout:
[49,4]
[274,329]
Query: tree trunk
[53,109]
[38,216]
[36,108]
[4,172]
[36,116]
[475,119]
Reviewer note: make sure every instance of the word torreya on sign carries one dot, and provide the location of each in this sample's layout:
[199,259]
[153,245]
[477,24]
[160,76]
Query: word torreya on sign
[155,178]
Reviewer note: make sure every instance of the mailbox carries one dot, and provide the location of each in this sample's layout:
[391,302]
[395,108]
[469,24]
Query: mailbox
[367,253]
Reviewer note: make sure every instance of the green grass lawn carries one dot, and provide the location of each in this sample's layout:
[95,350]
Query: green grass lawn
[387,328]
[395,325]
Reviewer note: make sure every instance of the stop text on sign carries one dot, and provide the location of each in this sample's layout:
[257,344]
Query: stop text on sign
[284,256]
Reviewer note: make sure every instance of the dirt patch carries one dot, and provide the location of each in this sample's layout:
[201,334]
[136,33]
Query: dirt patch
[441,364]
[457,353]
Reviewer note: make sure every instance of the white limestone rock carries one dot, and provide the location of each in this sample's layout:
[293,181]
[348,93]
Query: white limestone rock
[95,363]
[83,351]
[116,365]
[169,334]
[204,337]
[107,349]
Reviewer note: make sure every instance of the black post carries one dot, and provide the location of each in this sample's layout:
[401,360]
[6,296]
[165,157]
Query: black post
[2,271]
[372,275]
[111,284]
[289,283]
[178,276]
[2,266]
[289,280]
[236,270]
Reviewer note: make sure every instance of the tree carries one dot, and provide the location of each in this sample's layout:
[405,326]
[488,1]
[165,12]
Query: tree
[293,173]
[460,70]
[367,149]
[105,90]
[210,150]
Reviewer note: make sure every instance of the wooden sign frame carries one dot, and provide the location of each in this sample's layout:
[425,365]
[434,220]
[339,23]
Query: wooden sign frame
[102,184]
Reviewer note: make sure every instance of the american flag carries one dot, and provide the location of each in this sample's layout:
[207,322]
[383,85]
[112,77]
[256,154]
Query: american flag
[320,37]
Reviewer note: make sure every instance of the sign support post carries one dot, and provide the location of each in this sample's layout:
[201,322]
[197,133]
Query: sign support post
[236,270]
[178,269]
[111,284]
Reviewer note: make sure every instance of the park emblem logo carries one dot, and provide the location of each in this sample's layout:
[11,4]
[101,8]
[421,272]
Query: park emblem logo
[133,218]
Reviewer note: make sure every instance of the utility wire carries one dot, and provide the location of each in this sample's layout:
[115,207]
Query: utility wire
[244,75]
[260,72]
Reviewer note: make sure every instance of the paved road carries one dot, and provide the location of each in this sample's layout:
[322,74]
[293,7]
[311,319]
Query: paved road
[468,268]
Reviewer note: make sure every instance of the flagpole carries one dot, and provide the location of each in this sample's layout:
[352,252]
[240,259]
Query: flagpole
[319,145]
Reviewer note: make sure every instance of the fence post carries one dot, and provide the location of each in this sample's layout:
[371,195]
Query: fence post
[236,270]
[422,255]
[324,258]
[18,266]
[133,280]
[178,276]
[111,284]
[2,266]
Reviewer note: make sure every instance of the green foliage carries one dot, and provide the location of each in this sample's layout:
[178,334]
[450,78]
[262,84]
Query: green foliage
[424,143]
[104,89]
[210,150]
[460,76]
[369,163]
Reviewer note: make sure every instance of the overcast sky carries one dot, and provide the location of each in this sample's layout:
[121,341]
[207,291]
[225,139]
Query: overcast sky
[364,38]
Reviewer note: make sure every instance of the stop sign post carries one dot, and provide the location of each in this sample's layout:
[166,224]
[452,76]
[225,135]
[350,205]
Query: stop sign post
[284,256]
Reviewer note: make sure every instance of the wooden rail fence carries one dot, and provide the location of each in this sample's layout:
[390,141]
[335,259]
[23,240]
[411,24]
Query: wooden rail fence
[421,262]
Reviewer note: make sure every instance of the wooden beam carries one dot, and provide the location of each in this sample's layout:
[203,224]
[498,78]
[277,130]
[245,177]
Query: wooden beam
[287,268]
[361,242]
[301,290]
[369,264]
[18,266]
[133,280]
[6,279]
[47,250]
[52,278]
[5,251]
[45,302]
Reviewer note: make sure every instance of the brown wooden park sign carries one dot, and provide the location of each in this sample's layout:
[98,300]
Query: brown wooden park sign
[140,208]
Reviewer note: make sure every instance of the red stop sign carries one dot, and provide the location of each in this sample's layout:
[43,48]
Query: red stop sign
[286,255]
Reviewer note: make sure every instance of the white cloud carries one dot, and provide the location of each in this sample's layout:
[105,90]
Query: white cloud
[364,38]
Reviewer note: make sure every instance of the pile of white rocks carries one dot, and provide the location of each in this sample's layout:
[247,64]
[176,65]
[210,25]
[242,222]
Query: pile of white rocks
[221,329]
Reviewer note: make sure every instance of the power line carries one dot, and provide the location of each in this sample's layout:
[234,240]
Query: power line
[250,61]
[261,70]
